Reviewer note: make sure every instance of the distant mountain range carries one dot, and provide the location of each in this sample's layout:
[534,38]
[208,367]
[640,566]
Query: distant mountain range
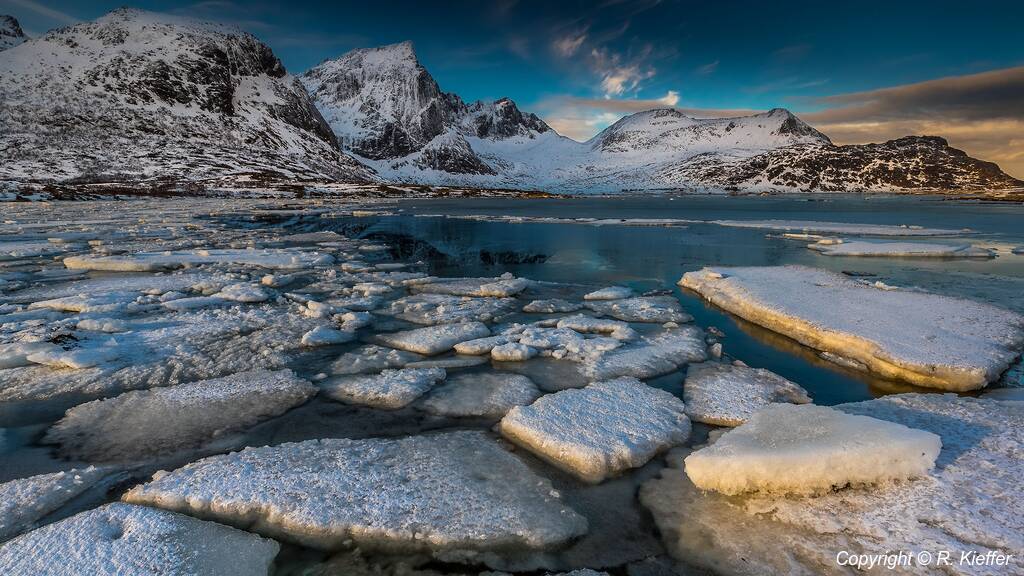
[137,96]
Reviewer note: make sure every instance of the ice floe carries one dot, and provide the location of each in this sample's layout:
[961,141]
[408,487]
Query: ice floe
[551,306]
[390,390]
[444,309]
[372,359]
[513,352]
[609,293]
[434,339]
[451,491]
[155,261]
[149,423]
[852,229]
[26,500]
[16,354]
[658,309]
[589,325]
[601,430]
[127,540]
[652,355]
[727,394]
[485,394]
[502,287]
[968,504]
[901,249]
[325,336]
[926,339]
[811,449]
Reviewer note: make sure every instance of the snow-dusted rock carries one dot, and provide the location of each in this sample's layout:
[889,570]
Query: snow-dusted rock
[125,540]
[968,504]
[148,423]
[513,352]
[325,336]
[390,390]
[727,395]
[809,449]
[372,359]
[458,490]
[610,293]
[155,261]
[901,249]
[926,339]
[658,309]
[651,356]
[24,501]
[601,430]
[486,394]
[444,309]
[551,306]
[434,339]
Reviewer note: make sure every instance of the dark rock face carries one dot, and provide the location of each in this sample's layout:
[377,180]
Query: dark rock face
[921,163]
[11,33]
[139,95]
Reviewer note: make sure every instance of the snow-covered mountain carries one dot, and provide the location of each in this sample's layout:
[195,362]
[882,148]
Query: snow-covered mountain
[141,96]
[386,109]
[11,33]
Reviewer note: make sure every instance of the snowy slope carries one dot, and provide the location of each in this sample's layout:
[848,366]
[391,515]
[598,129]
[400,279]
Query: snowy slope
[10,32]
[387,110]
[137,95]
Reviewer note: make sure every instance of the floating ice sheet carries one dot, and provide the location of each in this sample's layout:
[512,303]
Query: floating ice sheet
[926,339]
[457,490]
[434,339]
[24,501]
[155,261]
[727,395]
[391,389]
[486,394]
[901,249]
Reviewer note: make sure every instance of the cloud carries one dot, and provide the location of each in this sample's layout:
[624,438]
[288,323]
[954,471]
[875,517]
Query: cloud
[620,75]
[566,45]
[708,68]
[981,113]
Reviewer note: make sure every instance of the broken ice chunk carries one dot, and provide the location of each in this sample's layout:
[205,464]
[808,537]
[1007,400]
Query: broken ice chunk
[609,293]
[16,354]
[488,395]
[551,306]
[25,501]
[925,339]
[600,430]
[325,336]
[126,540]
[807,449]
[372,359]
[513,352]
[658,309]
[727,395]
[434,339]
[433,493]
[390,390]
[494,287]
[589,325]
[248,293]
[651,356]
[154,261]
[147,423]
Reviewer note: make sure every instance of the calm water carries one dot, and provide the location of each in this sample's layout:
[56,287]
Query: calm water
[654,258]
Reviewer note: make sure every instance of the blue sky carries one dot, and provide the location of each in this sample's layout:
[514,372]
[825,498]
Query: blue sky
[581,65]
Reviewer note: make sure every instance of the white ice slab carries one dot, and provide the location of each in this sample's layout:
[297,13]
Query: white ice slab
[325,336]
[502,287]
[812,226]
[24,501]
[926,339]
[650,356]
[601,430]
[155,261]
[372,359]
[901,249]
[727,395]
[147,423]
[589,325]
[434,339]
[16,354]
[609,293]
[444,309]
[968,504]
[810,449]
[125,540]
[390,390]
[551,306]
[457,490]
[513,352]
[485,394]
[658,309]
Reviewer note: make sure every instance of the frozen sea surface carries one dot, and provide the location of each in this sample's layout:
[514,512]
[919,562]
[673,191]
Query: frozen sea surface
[494,296]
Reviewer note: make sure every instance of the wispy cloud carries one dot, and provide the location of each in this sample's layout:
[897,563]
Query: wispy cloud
[50,16]
[566,45]
[619,74]
[708,68]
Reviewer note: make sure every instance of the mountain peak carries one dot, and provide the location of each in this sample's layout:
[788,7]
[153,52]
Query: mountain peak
[11,33]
